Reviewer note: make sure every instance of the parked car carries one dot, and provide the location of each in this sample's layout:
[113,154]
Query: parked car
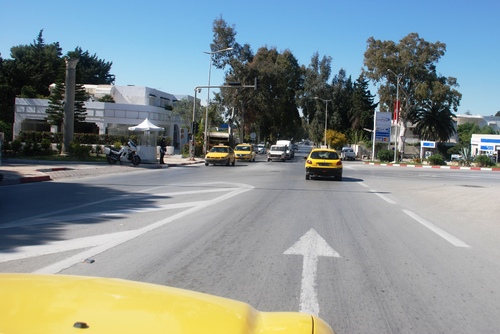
[244,152]
[76,304]
[220,155]
[323,162]
[347,153]
[261,149]
[277,153]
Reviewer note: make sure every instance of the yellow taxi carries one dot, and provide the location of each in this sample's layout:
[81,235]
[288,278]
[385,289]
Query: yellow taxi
[37,303]
[220,155]
[323,162]
[244,152]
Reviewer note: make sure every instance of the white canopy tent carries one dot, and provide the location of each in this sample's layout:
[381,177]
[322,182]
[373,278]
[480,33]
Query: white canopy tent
[146,125]
[147,146]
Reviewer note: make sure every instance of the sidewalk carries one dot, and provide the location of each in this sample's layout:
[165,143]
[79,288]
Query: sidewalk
[16,171]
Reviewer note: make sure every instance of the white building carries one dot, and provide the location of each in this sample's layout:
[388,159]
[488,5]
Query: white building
[482,121]
[132,105]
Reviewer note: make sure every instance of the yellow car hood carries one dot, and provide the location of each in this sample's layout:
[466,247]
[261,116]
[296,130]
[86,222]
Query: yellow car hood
[243,151]
[32,303]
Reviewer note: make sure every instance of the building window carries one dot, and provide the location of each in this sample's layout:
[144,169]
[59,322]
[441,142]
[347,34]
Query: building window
[152,100]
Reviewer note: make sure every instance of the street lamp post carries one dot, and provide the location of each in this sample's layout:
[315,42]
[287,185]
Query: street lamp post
[397,108]
[208,94]
[198,89]
[191,140]
[326,113]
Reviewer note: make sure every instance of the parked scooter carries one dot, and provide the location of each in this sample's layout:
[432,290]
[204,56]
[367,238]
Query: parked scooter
[126,153]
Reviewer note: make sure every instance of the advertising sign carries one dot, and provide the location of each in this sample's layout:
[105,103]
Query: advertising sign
[383,127]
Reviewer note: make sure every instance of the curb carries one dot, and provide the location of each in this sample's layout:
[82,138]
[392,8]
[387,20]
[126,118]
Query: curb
[4,181]
[495,169]
[30,179]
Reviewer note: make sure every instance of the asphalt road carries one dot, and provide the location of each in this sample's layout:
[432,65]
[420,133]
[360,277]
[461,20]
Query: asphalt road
[387,250]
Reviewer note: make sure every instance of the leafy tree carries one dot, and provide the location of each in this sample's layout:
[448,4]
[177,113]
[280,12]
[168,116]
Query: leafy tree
[184,108]
[272,109]
[274,104]
[55,111]
[421,89]
[28,74]
[316,77]
[466,130]
[33,68]
[106,98]
[80,111]
[342,89]
[433,118]
[362,105]
[92,70]
[317,130]
[335,139]
[36,66]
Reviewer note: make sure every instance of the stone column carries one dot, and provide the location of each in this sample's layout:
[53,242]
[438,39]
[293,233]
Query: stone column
[69,104]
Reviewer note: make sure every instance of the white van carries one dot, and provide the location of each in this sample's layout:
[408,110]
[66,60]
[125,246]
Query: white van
[290,153]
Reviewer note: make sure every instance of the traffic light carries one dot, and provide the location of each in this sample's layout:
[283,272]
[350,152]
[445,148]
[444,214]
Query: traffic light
[196,127]
[255,83]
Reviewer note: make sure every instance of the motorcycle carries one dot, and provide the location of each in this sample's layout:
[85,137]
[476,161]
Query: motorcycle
[127,152]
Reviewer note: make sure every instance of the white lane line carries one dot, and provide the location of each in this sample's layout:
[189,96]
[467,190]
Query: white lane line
[47,218]
[385,198]
[116,240]
[443,234]
[53,247]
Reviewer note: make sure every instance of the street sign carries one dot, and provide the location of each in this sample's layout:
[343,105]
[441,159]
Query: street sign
[428,144]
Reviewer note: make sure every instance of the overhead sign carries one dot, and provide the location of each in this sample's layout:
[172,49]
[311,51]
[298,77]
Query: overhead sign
[383,127]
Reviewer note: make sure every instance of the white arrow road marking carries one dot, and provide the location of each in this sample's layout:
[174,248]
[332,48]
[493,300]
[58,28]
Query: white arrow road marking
[311,245]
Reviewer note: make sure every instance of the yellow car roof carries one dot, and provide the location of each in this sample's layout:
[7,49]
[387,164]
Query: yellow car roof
[32,303]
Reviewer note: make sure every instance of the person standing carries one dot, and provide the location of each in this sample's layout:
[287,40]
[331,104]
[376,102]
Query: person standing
[163,149]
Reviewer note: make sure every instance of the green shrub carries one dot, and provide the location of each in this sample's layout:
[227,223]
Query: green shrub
[46,147]
[484,161]
[385,155]
[79,151]
[30,148]
[17,146]
[185,150]
[436,160]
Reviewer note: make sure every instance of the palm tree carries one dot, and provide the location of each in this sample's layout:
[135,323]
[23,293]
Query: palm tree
[433,118]
[435,123]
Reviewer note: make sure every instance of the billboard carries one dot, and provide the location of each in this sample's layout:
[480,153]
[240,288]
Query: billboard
[383,127]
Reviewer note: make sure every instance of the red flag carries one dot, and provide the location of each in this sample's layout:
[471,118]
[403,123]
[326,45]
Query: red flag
[397,108]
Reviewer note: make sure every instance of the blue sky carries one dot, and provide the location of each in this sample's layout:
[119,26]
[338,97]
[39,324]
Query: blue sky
[160,44]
